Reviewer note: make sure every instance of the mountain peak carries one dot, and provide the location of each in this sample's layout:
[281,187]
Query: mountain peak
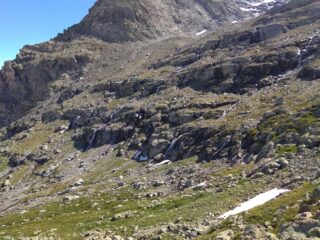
[134,20]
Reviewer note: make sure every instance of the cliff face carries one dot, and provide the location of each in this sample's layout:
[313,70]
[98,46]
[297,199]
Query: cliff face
[25,81]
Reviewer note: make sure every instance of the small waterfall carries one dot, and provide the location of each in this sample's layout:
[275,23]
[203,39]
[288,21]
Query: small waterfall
[73,122]
[91,140]
[299,58]
[171,146]
[158,90]
[304,51]
[301,54]
[226,111]
[116,111]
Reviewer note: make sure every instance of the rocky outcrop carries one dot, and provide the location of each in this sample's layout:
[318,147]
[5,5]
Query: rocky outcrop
[25,81]
[102,135]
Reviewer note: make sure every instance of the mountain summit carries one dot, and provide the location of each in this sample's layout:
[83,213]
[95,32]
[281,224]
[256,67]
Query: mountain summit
[132,20]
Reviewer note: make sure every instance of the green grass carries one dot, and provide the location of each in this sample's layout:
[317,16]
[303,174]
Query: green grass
[191,206]
[37,137]
[19,174]
[267,212]
[234,170]
[302,122]
[283,149]
[103,168]
[261,214]
[115,103]
[3,163]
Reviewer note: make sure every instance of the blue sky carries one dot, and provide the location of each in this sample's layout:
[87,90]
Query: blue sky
[33,21]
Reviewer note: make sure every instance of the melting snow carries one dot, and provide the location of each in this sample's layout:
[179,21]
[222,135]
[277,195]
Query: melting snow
[254,202]
[259,3]
[246,9]
[200,185]
[202,32]
[162,163]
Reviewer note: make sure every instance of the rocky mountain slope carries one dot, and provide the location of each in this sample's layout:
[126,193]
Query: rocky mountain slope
[150,119]
[122,21]
[111,21]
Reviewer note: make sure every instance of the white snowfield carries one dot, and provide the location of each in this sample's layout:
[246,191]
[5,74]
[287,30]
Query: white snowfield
[254,202]
[259,3]
[257,7]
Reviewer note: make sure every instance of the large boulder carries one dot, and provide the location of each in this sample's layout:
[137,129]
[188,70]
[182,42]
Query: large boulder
[315,196]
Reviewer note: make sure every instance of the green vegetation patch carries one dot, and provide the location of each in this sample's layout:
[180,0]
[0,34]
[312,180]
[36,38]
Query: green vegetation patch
[3,163]
[90,213]
[284,208]
[287,149]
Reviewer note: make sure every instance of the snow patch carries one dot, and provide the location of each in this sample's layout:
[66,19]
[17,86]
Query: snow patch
[200,185]
[246,9]
[162,163]
[254,202]
[202,32]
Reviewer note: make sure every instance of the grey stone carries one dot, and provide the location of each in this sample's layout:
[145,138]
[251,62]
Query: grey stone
[314,232]
[315,196]
[225,235]
[266,149]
